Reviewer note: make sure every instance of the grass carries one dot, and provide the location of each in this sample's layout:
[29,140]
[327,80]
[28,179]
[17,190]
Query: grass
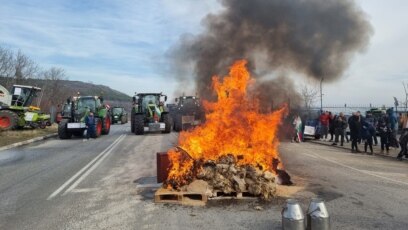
[15,136]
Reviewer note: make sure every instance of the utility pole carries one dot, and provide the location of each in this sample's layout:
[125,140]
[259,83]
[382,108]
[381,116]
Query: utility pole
[321,95]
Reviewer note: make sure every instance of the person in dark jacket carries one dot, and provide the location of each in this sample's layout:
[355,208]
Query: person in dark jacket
[385,133]
[403,138]
[393,126]
[332,124]
[371,119]
[90,125]
[355,132]
[368,131]
[340,127]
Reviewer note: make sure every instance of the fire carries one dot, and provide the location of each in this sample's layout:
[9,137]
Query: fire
[233,126]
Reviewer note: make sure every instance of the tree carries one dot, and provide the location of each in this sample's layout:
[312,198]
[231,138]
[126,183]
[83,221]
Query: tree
[405,85]
[310,93]
[6,62]
[53,88]
[24,67]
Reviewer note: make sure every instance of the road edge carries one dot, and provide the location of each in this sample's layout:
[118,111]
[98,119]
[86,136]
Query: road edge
[345,148]
[26,142]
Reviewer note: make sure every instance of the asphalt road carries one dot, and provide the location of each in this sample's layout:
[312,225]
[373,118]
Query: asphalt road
[108,183]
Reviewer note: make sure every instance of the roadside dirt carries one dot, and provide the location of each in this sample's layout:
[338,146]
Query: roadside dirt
[11,137]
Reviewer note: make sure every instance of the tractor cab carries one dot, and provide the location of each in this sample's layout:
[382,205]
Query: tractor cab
[23,96]
[188,101]
[149,102]
[149,114]
[81,106]
[91,103]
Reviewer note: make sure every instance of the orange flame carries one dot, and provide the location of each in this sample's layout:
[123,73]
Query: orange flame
[233,126]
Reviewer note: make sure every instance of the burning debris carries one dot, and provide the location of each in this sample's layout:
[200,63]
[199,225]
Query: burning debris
[235,151]
[226,176]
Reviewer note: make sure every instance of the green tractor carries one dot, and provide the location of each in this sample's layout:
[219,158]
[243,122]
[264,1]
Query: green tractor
[149,114]
[188,113]
[74,113]
[16,110]
[119,115]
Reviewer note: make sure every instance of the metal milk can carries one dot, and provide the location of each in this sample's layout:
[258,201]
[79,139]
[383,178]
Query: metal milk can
[318,217]
[292,216]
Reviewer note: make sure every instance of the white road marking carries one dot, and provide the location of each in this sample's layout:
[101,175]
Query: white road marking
[357,170]
[94,166]
[84,190]
[56,192]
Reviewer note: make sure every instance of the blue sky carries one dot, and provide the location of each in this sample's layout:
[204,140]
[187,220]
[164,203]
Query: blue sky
[123,43]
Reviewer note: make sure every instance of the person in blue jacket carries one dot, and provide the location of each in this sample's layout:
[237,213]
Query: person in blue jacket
[367,133]
[90,125]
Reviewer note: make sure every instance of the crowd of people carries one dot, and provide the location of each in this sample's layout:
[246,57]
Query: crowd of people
[359,129]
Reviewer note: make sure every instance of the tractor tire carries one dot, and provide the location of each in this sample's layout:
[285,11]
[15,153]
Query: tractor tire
[167,122]
[79,133]
[106,124]
[138,124]
[132,122]
[178,126]
[63,131]
[97,129]
[8,120]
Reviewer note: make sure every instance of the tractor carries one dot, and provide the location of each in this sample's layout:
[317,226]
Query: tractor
[149,114]
[16,110]
[73,117]
[119,115]
[187,113]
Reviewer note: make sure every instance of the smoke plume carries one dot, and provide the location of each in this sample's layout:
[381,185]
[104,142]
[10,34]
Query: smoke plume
[314,38]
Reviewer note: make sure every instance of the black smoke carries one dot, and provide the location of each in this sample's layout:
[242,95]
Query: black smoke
[314,38]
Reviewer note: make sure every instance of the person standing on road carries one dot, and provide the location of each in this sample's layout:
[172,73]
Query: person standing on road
[297,124]
[404,138]
[340,129]
[324,123]
[368,131]
[90,125]
[355,131]
[393,126]
[373,121]
[384,131]
[332,128]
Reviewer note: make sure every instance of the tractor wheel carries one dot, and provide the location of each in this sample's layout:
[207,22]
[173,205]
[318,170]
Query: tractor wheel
[43,125]
[98,128]
[132,122]
[106,124]
[79,133]
[177,124]
[8,120]
[138,124]
[167,122]
[63,131]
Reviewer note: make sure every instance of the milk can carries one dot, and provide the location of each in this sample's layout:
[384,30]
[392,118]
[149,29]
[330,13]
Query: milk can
[292,216]
[318,217]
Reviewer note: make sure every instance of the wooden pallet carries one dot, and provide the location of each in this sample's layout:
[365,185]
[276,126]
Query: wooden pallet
[179,197]
[219,195]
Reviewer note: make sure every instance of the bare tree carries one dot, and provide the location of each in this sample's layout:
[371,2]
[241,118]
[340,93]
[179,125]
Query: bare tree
[24,67]
[310,93]
[53,88]
[6,67]
[6,62]
[405,103]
